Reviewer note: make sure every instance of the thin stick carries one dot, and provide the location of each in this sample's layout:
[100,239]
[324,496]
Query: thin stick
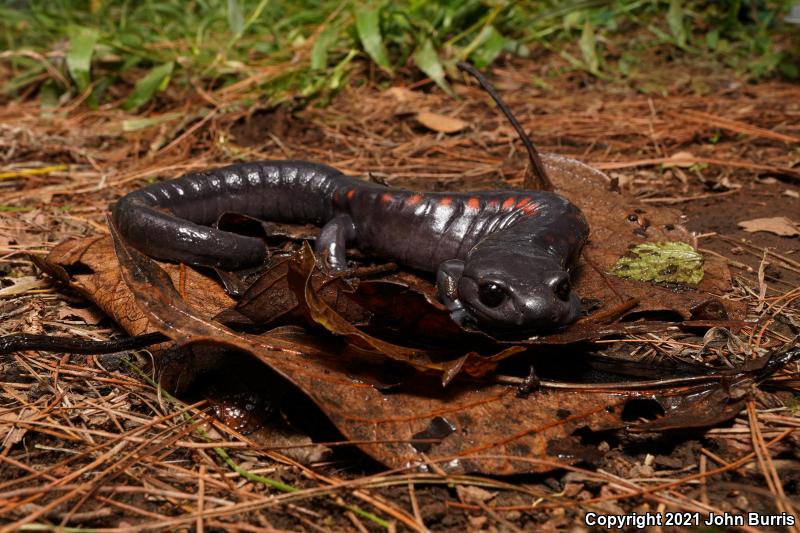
[539,173]
[49,343]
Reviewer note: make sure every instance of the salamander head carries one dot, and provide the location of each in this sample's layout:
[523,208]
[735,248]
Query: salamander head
[513,293]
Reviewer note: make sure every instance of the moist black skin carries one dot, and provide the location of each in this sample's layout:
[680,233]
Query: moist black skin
[502,259]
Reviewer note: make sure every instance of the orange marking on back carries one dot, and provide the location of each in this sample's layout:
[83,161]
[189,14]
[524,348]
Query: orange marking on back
[414,199]
[351,193]
[445,201]
[509,202]
[523,201]
[386,198]
[474,203]
[530,208]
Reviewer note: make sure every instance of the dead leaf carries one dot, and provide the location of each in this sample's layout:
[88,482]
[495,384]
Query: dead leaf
[474,495]
[680,159]
[617,223]
[13,432]
[440,123]
[471,426]
[90,265]
[402,94]
[271,301]
[301,270]
[23,285]
[90,315]
[782,226]
[290,442]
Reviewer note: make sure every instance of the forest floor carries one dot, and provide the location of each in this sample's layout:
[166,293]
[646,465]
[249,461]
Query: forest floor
[89,443]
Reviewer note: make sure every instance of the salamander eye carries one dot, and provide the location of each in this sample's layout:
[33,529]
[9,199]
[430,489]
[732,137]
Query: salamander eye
[562,289]
[492,294]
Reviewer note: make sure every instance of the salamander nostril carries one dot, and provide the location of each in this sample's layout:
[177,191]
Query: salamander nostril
[562,287]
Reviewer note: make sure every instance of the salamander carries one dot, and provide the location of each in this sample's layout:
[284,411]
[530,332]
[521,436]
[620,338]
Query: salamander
[502,259]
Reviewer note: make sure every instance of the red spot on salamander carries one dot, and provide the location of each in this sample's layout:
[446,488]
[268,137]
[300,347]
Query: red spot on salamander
[530,208]
[522,202]
[509,202]
[414,199]
[474,203]
[386,198]
[445,201]
[351,193]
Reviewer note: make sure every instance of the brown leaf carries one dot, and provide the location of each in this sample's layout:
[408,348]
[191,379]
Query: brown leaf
[89,315]
[681,159]
[470,426]
[618,222]
[782,226]
[318,311]
[90,265]
[270,300]
[440,123]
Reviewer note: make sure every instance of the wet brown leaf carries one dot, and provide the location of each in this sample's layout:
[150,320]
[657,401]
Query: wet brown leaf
[301,270]
[782,226]
[90,265]
[469,426]
[270,299]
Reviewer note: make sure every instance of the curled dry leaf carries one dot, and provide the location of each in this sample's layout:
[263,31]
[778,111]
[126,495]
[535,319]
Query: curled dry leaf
[472,425]
[783,226]
[680,159]
[440,123]
[90,265]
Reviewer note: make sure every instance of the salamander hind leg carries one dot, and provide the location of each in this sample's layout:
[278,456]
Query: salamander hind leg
[333,240]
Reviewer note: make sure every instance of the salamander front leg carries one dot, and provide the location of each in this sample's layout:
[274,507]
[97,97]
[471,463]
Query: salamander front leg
[447,278]
[332,241]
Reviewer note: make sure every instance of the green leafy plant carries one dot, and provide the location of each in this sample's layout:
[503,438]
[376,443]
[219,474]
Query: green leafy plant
[661,262]
[128,52]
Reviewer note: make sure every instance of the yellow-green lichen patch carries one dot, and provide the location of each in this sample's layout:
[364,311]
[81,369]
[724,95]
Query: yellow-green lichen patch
[661,262]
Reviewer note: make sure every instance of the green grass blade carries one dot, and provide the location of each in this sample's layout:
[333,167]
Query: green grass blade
[588,46]
[341,70]
[319,52]
[426,58]
[136,124]
[79,56]
[235,17]
[675,22]
[491,44]
[155,80]
[368,27]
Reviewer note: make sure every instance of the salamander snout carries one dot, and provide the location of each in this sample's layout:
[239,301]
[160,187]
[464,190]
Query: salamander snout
[525,298]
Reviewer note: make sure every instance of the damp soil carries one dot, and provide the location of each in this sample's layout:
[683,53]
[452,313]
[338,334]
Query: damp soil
[720,217]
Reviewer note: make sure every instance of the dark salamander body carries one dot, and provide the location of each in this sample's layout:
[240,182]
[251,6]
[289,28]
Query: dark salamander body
[503,258]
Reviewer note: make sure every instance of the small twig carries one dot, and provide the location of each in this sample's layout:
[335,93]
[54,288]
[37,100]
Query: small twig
[48,343]
[537,167]
[201,493]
